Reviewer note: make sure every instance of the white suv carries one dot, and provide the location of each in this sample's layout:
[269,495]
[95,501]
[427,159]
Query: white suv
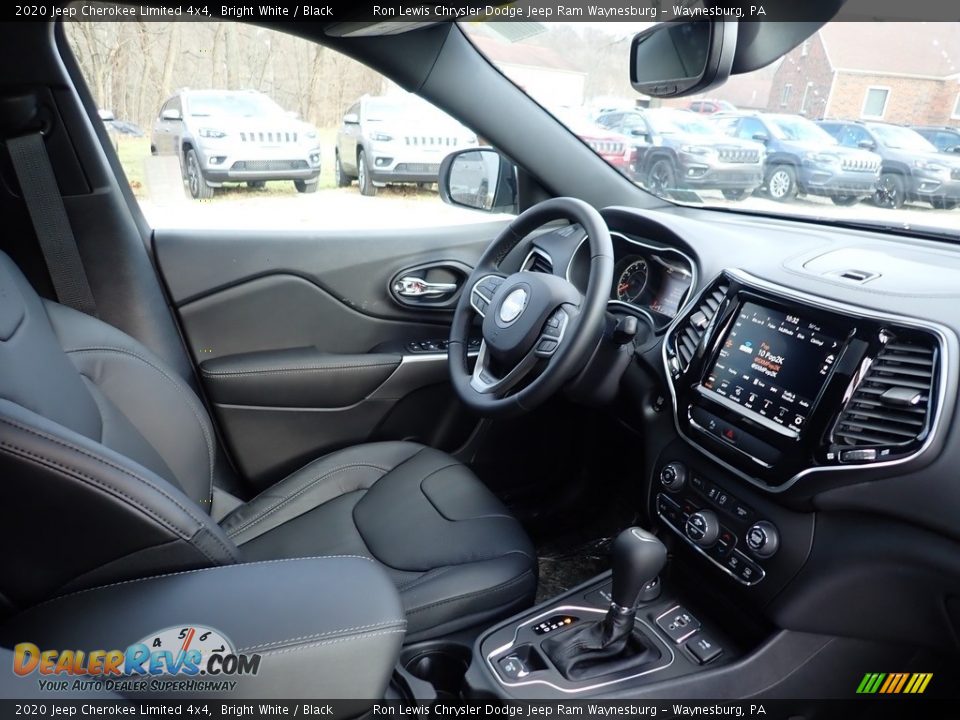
[395,139]
[224,136]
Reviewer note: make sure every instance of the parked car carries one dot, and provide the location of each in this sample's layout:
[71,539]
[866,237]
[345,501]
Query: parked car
[235,136]
[394,139]
[686,151]
[611,146]
[945,139]
[711,106]
[803,158]
[913,169]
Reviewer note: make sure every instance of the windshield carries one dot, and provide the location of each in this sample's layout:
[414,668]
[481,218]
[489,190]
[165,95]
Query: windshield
[799,129]
[232,105]
[901,138]
[873,80]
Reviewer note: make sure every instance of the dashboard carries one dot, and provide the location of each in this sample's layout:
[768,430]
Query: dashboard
[648,278]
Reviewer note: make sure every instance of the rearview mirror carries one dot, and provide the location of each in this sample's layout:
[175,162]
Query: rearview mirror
[170,114]
[480,179]
[675,59]
[351,119]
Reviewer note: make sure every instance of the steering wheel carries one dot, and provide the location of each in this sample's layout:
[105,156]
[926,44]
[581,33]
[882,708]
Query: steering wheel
[531,321]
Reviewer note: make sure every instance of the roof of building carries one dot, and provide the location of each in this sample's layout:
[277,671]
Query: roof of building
[927,49]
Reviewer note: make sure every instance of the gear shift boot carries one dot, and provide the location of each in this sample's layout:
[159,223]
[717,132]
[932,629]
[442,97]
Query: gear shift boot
[580,653]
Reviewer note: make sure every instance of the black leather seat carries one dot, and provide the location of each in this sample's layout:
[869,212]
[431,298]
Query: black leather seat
[111,470]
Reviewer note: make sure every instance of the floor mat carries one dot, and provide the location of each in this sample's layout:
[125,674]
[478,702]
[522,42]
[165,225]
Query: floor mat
[562,569]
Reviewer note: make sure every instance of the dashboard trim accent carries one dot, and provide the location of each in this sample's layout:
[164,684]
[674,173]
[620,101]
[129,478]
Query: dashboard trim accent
[942,333]
[690,294]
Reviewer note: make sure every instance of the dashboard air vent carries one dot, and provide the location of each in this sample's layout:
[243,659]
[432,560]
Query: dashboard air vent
[891,408]
[691,331]
[538,261]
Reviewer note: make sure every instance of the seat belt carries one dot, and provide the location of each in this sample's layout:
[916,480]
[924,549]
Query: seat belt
[50,222]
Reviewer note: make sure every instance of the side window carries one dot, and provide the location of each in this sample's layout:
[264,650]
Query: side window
[749,127]
[946,140]
[263,140]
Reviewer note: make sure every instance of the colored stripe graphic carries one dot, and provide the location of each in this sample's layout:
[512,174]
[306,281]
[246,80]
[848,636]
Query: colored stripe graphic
[894,683]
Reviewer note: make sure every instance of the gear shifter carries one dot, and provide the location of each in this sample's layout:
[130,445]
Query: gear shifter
[605,646]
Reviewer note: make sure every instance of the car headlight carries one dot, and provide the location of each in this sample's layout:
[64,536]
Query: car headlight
[697,150]
[929,166]
[381,137]
[821,158]
[212,133]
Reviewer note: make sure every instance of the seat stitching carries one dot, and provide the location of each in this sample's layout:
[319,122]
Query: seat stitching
[501,586]
[197,570]
[328,633]
[190,400]
[362,636]
[16,450]
[108,463]
[262,515]
[299,369]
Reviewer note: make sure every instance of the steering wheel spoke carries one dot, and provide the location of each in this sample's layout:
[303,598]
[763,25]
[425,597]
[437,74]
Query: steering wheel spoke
[484,381]
[483,291]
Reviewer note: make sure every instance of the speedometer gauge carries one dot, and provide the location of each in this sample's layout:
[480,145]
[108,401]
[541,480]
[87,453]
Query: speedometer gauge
[633,281]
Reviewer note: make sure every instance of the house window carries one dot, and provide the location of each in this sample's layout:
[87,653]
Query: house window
[875,102]
[785,94]
[807,92]
[956,107]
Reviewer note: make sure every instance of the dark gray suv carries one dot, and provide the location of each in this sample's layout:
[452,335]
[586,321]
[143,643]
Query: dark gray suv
[803,158]
[913,169]
[687,151]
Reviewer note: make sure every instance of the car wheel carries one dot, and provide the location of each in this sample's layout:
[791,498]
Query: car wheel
[889,192]
[735,195]
[339,176]
[363,176]
[845,200]
[257,184]
[940,203]
[782,183]
[303,186]
[199,190]
[661,178]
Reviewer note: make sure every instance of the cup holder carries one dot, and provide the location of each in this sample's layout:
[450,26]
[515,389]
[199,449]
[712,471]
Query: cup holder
[442,665]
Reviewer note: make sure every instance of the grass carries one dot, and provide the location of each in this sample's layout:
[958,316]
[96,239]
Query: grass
[134,153]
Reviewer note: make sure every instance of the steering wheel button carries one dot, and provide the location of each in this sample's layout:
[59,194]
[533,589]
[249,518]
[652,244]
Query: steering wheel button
[546,346]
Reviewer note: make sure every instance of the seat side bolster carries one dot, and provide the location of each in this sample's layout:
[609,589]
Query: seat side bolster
[325,627]
[100,515]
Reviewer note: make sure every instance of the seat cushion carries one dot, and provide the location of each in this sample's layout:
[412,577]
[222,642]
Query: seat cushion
[454,551]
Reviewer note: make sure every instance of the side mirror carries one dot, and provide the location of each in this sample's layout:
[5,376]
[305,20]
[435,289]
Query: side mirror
[761,137]
[675,59]
[351,119]
[171,114]
[867,145]
[954,149]
[480,179]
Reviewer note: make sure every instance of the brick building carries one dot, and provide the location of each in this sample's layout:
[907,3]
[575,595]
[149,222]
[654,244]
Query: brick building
[896,72]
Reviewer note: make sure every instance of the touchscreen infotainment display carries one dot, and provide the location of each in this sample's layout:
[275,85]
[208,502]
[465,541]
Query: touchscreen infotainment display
[774,364]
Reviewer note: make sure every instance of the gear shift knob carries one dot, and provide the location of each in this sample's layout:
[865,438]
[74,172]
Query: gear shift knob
[638,557]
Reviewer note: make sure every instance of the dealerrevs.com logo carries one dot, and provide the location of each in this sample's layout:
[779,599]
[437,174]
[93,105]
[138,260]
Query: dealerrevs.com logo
[187,659]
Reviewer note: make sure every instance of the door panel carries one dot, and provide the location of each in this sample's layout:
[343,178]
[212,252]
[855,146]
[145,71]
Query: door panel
[302,344]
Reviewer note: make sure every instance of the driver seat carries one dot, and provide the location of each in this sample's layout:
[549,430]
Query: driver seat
[111,472]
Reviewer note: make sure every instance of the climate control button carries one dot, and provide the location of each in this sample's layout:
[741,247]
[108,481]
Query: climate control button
[763,539]
[673,476]
[703,527]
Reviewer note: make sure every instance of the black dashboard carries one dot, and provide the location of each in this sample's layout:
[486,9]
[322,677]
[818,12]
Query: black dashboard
[795,401]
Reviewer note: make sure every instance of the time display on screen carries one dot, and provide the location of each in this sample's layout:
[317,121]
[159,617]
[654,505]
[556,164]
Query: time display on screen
[774,364]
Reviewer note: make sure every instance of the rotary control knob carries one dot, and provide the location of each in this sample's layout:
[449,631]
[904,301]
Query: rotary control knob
[763,539]
[673,476]
[703,527]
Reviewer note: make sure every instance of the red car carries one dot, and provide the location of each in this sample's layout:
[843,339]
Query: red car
[611,146]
